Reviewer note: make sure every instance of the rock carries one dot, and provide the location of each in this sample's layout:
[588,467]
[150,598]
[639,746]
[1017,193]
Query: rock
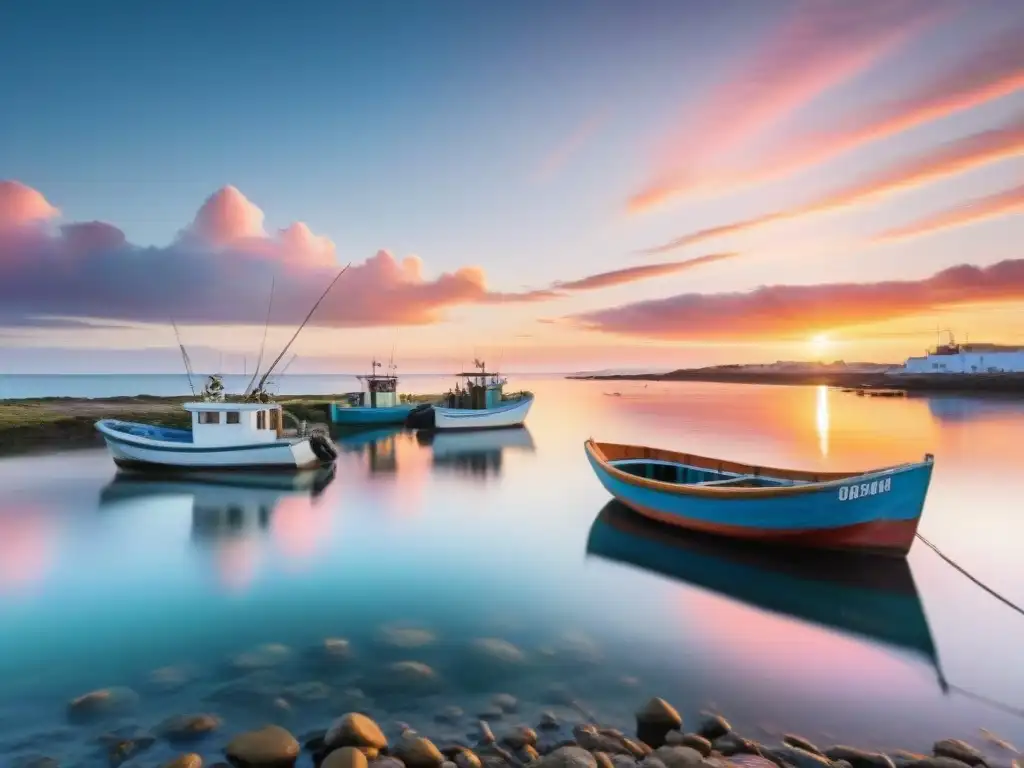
[734,744]
[506,702]
[313,690]
[800,758]
[651,762]
[793,740]
[589,737]
[692,740]
[169,679]
[958,750]
[603,760]
[261,657]
[492,712]
[448,764]
[557,693]
[934,762]
[520,737]
[268,747]
[714,727]
[412,674]
[451,715]
[105,702]
[418,752]
[121,750]
[467,759]
[405,637]
[486,734]
[191,760]
[678,757]
[386,762]
[496,650]
[181,728]
[346,757]
[654,720]
[548,721]
[623,761]
[568,757]
[528,754]
[355,730]
[858,758]
[336,649]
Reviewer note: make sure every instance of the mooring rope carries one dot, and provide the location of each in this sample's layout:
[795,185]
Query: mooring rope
[976,580]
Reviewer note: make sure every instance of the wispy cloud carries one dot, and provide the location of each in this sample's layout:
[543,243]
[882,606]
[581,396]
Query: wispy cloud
[822,45]
[573,143]
[979,209]
[945,160]
[560,289]
[795,311]
[993,71]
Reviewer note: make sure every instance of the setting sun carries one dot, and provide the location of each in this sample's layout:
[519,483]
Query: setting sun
[820,343]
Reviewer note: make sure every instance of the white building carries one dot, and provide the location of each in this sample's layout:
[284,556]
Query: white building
[966,358]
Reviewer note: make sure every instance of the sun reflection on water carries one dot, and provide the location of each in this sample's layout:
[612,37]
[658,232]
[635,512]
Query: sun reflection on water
[822,419]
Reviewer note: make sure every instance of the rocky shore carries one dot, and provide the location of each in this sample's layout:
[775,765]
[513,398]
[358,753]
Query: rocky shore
[356,740]
[327,706]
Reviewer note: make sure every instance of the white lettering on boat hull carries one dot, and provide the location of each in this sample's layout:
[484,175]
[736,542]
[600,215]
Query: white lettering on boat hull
[859,490]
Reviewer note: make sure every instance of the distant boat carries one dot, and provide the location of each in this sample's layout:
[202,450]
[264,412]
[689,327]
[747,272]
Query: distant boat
[481,404]
[377,403]
[224,435]
[876,511]
[865,595]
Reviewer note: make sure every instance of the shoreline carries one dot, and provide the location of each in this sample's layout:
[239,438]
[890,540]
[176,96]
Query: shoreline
[1005,384]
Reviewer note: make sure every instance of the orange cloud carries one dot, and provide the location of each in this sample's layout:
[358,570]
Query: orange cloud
[794,311]
[821,46]
[947,159]
[979,209]
[994,71]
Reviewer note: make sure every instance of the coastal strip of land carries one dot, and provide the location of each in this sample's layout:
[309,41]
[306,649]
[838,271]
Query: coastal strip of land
[857,379]
[55,423]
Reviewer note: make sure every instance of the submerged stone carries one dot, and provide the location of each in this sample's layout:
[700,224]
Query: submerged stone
[267,747]
[355,730]
[346,757]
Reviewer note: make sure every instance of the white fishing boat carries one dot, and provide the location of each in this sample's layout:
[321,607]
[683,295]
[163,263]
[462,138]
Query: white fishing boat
[223,435]
[481,404]
[244,434]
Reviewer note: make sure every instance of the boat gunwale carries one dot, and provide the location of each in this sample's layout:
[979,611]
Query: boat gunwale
[466,413]
[139,441]
[816,481]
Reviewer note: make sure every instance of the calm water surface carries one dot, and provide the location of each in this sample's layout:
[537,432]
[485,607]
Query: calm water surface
[496,535]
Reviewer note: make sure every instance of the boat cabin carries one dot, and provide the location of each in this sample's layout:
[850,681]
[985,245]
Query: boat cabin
[377,392]
[222,423]
[482,390]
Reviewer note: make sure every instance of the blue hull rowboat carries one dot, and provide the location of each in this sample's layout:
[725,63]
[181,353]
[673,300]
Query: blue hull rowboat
[876,511]
[362,416]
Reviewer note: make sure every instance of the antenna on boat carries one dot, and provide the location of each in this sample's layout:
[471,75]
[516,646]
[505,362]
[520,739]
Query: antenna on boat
[184,357]
[263,344]
[273,365]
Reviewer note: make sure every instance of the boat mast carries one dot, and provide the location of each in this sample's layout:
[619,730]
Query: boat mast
[263,344]
[273,365]
[184,357]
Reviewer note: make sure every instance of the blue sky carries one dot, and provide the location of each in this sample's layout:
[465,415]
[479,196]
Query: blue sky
[505,136]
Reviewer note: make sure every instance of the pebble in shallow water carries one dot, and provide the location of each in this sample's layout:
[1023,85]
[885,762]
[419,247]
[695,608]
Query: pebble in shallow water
[267,747]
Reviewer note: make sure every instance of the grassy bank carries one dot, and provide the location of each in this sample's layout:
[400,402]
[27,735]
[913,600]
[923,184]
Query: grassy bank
[54,423]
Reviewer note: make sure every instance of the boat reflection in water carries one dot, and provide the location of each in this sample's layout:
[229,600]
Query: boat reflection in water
[475,452]
[862,595]
[380,446]
[225,505]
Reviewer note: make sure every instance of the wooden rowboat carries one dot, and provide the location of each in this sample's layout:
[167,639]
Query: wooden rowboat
[876,511]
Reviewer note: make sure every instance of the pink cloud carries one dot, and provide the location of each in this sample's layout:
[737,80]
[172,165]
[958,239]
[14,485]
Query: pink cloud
[945,160]
[980,209]
[21,206]
[822,45]
[795,311]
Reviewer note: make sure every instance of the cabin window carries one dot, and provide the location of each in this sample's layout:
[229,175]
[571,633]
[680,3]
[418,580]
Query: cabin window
[233,417]
[261,419]
[209,417]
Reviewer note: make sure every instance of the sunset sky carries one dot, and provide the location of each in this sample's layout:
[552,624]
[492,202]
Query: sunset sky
[561,186]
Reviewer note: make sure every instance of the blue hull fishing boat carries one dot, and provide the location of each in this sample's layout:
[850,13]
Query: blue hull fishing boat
[876,511]
[378,403]
[862,595]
